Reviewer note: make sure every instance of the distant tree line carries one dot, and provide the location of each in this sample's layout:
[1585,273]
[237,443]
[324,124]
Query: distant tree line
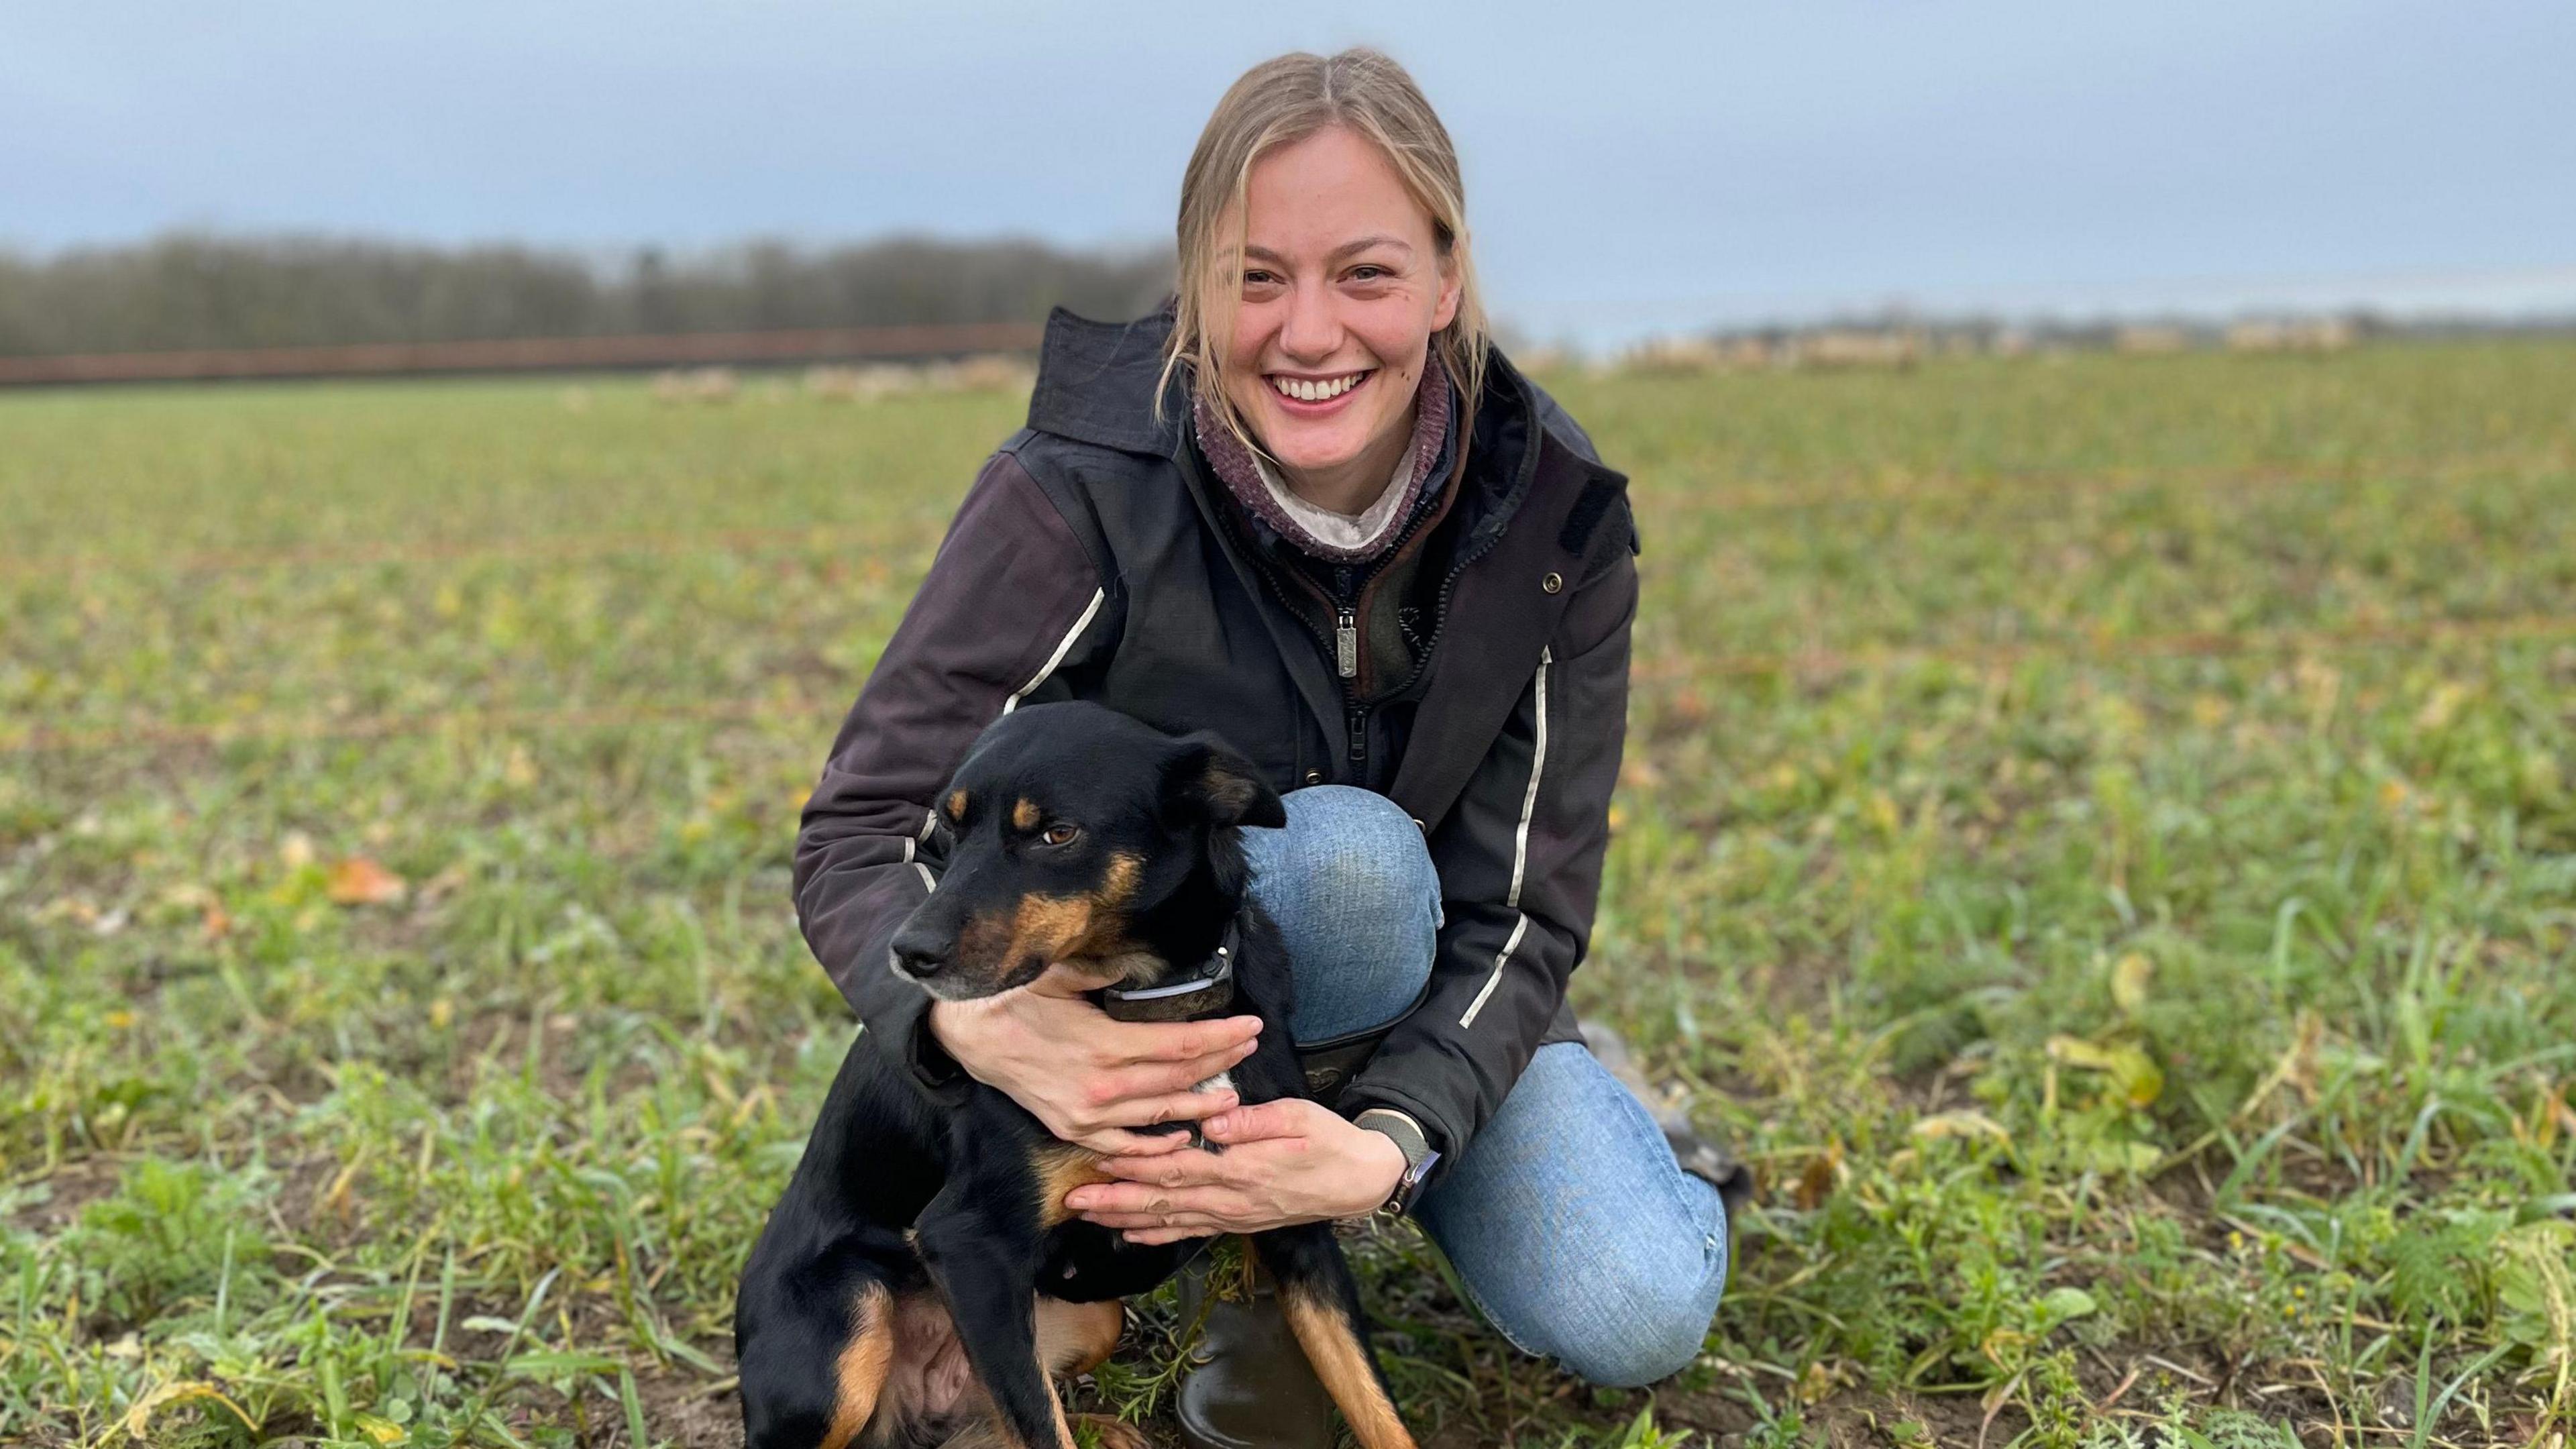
[202,291]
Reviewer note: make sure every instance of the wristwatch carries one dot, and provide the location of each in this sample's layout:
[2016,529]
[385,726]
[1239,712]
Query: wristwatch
[1419,1158]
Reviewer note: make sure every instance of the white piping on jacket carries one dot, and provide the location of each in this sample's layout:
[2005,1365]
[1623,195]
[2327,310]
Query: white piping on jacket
[1529,800]
[1520,844]
[1505,954]
[1063,647]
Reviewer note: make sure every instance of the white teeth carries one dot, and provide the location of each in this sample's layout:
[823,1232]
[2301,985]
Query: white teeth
[1305,390]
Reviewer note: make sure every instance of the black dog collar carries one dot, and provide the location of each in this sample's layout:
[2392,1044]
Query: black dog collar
[1206,990]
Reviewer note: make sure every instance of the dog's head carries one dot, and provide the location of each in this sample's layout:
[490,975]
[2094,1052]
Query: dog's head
[1070,831]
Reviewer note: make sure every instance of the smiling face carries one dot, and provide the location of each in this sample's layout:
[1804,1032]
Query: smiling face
[1342,286]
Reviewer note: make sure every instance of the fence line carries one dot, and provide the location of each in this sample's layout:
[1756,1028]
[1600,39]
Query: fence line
[525,354]
[285,728]
[1813,664]
[656,543]
[667,542]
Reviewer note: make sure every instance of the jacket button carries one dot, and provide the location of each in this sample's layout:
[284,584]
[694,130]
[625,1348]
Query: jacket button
[1554,583]
[1314,777]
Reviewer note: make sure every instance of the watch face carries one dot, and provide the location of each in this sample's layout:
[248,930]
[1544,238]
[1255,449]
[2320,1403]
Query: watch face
[1409,1186]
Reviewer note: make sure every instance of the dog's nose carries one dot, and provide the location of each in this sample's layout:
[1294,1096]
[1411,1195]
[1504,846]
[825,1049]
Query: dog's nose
[919,954]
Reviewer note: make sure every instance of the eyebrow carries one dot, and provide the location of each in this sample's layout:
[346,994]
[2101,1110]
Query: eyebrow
[1346,249]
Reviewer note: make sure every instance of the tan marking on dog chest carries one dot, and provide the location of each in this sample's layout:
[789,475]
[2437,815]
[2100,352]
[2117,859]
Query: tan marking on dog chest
[1061,1169]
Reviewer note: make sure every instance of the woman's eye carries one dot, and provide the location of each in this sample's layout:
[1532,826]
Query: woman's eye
[1370,273]
[1059,835]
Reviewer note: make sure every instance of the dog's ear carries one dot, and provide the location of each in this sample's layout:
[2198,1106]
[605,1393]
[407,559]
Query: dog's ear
[1207,781]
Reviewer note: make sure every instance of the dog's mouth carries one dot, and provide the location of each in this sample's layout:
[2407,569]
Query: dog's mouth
[959,984]
[1088,971]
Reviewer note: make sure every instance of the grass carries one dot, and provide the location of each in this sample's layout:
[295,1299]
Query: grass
[2099,836]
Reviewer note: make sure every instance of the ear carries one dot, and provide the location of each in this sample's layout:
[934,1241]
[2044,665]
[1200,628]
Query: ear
[1453,285]
[1207,781]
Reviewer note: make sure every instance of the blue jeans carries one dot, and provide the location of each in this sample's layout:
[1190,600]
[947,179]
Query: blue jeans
[1576,1233]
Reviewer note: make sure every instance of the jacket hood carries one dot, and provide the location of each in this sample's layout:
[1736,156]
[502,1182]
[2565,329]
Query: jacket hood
[1097,383]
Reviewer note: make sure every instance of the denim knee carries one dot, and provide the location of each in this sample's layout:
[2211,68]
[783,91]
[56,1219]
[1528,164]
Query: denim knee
[1665,1322]
[1575,1232]
[1351,886]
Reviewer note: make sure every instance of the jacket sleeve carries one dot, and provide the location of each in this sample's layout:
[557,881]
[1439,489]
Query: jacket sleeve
[1519,858]
[1010,599]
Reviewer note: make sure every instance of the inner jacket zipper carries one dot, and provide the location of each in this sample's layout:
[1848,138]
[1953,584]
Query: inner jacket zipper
[1344,641]
[1345,637]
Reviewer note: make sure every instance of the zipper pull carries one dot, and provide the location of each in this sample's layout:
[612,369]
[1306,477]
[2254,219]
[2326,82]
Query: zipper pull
[1358,720]
[1346,642]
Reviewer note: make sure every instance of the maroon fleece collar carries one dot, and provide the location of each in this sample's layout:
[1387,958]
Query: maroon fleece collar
[1235,464]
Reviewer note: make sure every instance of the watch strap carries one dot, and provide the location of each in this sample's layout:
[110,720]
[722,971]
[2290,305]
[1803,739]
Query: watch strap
[1419,1156]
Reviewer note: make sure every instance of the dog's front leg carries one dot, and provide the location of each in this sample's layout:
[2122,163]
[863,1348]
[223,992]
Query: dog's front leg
[981,1244]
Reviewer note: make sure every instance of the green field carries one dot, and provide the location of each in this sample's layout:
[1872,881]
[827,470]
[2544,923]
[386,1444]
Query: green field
[2099,835]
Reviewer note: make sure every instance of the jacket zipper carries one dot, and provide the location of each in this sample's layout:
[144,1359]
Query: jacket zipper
[1345,640]
[1346,656]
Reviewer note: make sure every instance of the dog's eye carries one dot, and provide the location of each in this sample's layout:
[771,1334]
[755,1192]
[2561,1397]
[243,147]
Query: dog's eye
[1060,834]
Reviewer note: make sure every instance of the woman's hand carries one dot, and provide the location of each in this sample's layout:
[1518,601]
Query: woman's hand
[1285,1162]
[1087,1078]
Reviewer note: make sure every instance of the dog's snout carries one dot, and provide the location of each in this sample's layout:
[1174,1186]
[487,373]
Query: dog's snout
[918,953]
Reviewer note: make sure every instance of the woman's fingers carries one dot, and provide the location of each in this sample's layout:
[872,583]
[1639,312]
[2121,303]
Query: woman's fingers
[1182,1106]
[1114,1144]
[1182,1041]
[1145,1178]
[1125,1222]
[1127,1205]
[1156,1079]
[1156,1237]
[1286,1117]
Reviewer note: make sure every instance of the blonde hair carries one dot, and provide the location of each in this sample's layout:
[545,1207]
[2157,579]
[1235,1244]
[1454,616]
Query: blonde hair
[1276,103]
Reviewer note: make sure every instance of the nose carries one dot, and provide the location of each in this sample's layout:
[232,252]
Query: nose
[918,953]
[1311,332]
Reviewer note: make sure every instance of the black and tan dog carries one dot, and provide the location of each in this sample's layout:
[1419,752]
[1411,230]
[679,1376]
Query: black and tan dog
[921,1280]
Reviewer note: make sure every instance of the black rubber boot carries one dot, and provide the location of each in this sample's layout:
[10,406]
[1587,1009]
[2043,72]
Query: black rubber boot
[1697,1155]
[1251,1387]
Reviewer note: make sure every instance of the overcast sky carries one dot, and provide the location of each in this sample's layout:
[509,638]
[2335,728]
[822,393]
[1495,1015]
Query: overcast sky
[1630,168]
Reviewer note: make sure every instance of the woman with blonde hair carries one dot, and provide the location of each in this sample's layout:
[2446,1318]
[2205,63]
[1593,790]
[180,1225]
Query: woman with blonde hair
[1309,506]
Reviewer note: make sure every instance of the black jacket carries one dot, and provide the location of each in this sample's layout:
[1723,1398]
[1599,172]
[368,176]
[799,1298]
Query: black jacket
[1096,557]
